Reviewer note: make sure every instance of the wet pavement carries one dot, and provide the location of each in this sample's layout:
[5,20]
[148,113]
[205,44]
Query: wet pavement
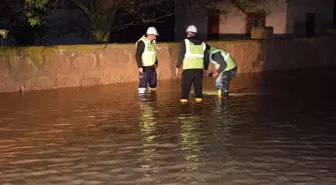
[283,134]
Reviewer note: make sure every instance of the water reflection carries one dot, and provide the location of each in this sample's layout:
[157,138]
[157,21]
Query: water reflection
[109,135]
[148,117]
[222,124]
[220,106]
[190,136]
[148,131]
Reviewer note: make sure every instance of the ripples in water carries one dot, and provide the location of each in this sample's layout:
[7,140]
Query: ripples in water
[106,135]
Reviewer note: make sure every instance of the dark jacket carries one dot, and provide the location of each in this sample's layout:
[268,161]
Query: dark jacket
[219,59]
[195,40]
[140,49]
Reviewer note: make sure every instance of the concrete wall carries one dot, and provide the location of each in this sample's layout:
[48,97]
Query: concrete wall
[276,18]
[233,20]
[37,68]
[285,18]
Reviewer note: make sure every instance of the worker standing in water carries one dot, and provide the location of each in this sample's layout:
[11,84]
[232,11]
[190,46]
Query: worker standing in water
[194,56]
[226,68]
[147,60]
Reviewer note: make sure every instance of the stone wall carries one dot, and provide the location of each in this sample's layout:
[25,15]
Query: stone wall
[38,68]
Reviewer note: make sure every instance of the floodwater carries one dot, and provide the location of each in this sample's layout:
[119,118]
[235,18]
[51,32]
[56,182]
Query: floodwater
[283,132]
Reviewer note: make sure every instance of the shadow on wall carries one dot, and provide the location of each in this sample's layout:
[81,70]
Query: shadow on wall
[301,58]
[306,29]
[229,37]
[295,53]
[307,18]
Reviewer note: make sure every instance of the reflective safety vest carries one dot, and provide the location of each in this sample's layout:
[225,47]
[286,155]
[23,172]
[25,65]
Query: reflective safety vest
[230,62]
[194,55]
[148,57]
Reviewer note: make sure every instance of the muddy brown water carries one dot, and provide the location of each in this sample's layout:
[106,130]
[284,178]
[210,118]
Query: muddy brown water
[283,133]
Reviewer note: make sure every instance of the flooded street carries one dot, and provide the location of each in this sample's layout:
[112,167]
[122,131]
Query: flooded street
[285,133]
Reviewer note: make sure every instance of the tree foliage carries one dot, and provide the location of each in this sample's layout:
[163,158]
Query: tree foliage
[33,8]
[105,16]
[3,33]
[31,12]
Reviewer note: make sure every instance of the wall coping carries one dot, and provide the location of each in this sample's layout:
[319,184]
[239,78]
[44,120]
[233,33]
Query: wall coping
[132,45]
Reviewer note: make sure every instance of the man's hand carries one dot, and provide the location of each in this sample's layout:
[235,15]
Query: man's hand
[205,73]
[177,72]
[215,74]
[140,70]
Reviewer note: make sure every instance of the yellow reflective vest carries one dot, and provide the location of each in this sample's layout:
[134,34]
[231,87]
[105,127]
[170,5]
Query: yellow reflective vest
[194,55]
[148,57]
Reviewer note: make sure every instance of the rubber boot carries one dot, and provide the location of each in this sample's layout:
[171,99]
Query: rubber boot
[219,93]
[198,100]
[184,100]
[141,90]
[225,93]
[151,89]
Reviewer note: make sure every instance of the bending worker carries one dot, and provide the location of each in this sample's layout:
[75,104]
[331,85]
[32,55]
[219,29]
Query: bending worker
[146,60]
[226,68]
[192,55]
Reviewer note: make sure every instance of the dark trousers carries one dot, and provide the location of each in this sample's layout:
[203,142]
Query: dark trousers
[224,79]
[189,77]
[148,77]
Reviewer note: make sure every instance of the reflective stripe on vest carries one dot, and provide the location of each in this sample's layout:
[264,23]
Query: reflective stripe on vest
[193,58]
[230,62]
[148,57]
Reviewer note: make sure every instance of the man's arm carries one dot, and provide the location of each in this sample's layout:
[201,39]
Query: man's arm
[206,57]
[156,60]
[220,60]
[140,49]
[181,56]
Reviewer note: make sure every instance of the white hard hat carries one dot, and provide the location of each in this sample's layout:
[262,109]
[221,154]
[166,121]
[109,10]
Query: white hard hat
[152,30]
[192,28]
